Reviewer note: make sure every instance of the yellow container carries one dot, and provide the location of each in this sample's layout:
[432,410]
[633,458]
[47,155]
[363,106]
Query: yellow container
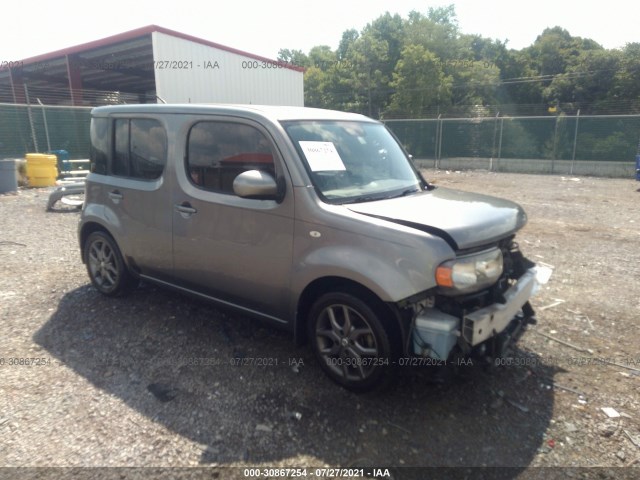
[42,169]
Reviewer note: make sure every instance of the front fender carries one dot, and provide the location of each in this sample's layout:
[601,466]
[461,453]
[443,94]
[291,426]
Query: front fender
[392,261]
[390,277]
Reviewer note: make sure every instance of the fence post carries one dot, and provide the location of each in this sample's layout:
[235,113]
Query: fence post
[46,127]
[638,162]
[435,145]
[493,148]
[440,140]
[575,143]
[30,115]
[435,153]
[555,145]
[500,144]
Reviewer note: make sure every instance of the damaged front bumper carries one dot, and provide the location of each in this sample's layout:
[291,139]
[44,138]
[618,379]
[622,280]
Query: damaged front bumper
[436,333]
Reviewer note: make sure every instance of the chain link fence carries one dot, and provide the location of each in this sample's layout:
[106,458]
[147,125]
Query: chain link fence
[597,145]
[588,144]
[39,129]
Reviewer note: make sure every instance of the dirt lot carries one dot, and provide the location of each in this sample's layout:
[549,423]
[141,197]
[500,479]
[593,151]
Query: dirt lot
[147,381]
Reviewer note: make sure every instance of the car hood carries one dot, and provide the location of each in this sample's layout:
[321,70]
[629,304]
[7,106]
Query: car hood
[463,219]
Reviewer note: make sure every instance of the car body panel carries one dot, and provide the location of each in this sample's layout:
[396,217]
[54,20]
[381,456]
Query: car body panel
[262,255]
[332,240]
[470,219]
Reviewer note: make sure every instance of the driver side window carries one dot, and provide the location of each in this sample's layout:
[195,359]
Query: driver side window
[219,151]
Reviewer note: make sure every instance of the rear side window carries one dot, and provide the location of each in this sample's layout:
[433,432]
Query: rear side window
[219,151]
[139,148]
[99,145]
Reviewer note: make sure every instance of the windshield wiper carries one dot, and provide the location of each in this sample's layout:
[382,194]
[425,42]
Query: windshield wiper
[406,192]
[371,198]
[365,198]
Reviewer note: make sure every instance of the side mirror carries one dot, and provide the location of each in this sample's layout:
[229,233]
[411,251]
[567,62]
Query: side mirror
[256,184]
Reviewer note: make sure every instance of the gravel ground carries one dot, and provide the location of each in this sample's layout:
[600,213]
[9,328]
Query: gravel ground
[146,381]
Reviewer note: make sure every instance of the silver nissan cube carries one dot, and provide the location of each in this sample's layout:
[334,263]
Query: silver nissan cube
[312,220]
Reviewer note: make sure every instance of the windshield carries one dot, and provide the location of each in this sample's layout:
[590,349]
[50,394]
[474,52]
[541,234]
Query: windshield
[353,161]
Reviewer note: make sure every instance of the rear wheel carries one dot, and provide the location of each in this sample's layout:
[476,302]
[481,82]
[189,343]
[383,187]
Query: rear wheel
[106,267]
[352,341]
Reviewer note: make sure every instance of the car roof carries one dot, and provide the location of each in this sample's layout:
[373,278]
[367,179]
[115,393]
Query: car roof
[272,112]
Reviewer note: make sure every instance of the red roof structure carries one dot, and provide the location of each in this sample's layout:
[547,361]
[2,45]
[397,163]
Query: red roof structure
[96,72]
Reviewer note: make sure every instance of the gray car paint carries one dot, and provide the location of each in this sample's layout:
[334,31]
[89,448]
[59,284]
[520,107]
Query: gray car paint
[470,219]
[293,242]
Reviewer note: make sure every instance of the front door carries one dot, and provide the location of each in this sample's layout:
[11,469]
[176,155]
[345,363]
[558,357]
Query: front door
[234,249]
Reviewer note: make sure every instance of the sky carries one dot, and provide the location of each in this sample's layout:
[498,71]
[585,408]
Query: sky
[35,27]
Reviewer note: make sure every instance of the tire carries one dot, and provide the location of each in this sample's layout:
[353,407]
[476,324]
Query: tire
[352,341]
[106,267]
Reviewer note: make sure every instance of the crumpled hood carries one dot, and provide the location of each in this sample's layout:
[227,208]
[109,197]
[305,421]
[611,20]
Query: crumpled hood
[463,219]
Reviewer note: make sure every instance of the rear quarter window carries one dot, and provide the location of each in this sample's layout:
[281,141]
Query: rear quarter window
[140,148]
[99,156]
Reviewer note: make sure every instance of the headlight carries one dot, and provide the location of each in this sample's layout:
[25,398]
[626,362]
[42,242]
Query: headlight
[471,273]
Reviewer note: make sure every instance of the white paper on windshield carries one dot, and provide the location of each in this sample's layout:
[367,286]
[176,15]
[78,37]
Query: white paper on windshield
[322,156]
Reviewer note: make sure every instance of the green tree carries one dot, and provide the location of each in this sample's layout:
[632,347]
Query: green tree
[520,82]
[389,29]
[481,49]
[322,56]
[347,40]
[475,83]
[533,75]
[437,32]
[365,65]
[320,62]
[419,83]
[555,50]
[295,57]
[315,88]
[588,78]
[625,82]
[394,65]
[367,59]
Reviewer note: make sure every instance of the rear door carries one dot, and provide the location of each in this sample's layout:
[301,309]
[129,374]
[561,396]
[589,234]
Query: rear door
[235,249]
[137,194]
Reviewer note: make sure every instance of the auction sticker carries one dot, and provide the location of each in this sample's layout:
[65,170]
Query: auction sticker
[322,156]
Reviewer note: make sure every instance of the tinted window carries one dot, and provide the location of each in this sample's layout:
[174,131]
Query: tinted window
[120,165]
[140,148]
[99,145]
[220,151]
[353,161]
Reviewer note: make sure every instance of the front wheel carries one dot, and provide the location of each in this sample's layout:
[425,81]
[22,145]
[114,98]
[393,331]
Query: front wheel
[352,341]
[106,267]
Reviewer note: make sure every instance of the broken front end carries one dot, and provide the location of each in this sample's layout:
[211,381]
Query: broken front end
[481,304]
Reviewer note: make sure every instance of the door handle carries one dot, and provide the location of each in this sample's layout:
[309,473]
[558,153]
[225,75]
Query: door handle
[116,196]
[185,209]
